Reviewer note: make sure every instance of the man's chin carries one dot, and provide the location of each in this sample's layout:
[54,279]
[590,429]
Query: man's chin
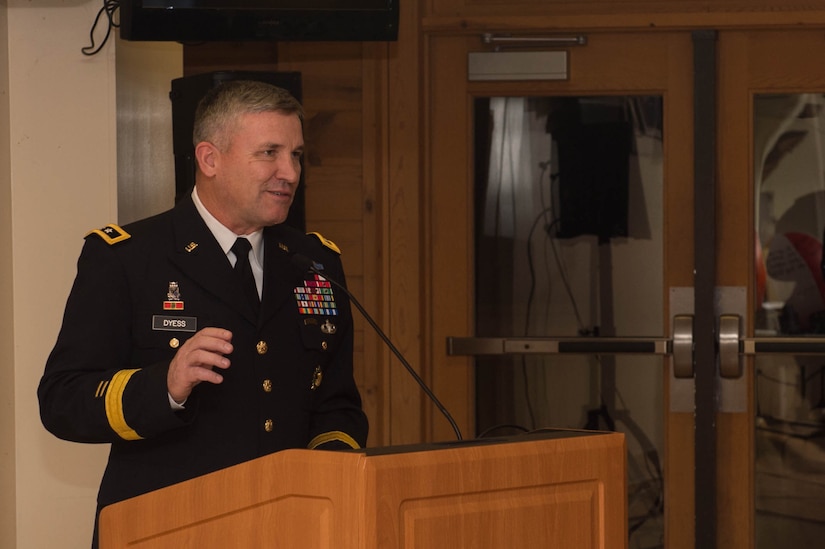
[276,218]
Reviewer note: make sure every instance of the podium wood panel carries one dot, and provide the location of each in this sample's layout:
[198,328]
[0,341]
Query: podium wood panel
[296,496]
[559,489]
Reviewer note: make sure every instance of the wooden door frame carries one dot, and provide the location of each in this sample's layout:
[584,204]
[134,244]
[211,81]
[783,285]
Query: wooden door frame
[751,63]
[450,210]
[734,268]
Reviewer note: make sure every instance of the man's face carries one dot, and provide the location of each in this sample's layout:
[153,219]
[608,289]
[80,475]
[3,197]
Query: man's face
[257,173]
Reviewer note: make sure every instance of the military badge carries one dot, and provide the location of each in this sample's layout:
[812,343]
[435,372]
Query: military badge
[111,234]
[315,297]
[173,301]
[317,378]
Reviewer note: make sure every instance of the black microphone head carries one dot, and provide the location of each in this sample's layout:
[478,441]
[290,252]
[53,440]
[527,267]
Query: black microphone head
[302,262]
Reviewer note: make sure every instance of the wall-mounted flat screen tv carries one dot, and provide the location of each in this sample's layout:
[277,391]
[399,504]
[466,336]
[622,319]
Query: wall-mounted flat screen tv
[258,20]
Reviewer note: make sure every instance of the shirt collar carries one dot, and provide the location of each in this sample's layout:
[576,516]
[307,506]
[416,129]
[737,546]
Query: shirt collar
[225,237]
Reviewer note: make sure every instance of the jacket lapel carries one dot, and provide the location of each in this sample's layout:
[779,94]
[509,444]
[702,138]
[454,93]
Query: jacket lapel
[199,256]
[280,275]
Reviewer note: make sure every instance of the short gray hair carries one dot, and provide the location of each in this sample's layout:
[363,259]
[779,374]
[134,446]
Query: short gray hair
[220,108]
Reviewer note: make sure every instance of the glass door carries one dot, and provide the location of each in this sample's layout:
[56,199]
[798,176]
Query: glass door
[772,187]
[693,323]
[569,196]
[561,239]
[789,389]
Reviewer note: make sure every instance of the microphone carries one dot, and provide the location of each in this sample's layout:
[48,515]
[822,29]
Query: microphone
[306,264]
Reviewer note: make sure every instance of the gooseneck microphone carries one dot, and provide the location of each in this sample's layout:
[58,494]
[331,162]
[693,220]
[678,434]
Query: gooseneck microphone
[306,264]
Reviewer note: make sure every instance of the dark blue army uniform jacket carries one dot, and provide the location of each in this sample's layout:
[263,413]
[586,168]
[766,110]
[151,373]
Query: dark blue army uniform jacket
[143,290]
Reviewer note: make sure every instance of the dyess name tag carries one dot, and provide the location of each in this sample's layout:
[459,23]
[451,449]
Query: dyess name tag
[175,323]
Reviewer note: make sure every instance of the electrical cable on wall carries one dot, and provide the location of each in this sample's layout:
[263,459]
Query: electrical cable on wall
[109,8]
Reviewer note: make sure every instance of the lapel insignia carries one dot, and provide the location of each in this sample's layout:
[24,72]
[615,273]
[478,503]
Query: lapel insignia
[173,301]
[283,246]
[191,246]
[328,327]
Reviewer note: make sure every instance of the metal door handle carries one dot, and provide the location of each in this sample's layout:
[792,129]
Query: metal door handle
[474,346]
[683,360]
[733,348]
[681,346]
[783,345]
[730,357]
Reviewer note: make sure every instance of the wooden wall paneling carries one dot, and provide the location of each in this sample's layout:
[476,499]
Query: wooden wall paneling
[554,16]
[218,56]
[720,10]
[450,202]
[376,241]
[406,404]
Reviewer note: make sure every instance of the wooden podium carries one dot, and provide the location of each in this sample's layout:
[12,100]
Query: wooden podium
[562,489]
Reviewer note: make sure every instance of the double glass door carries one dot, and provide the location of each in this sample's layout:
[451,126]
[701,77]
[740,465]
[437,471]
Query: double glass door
[568,209]
[638,247]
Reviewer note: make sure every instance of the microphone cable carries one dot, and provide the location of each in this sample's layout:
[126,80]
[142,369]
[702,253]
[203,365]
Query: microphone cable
[307,264]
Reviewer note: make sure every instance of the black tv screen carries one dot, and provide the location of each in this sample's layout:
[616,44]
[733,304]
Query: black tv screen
[258,20]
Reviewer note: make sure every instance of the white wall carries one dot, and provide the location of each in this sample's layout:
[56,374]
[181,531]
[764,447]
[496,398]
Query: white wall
[58,179]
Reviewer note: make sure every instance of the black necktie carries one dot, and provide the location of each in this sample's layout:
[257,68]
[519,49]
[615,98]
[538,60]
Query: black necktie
[243,270]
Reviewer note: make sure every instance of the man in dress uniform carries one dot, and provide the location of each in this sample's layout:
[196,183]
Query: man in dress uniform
[166,356]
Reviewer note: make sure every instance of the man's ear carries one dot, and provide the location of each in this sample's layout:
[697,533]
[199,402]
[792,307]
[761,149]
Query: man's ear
[206,155]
